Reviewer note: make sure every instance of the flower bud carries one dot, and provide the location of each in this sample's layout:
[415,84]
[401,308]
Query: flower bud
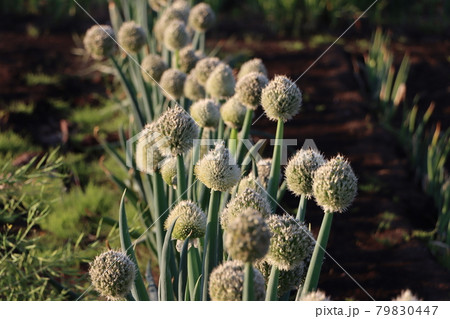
[175,36]
[204,68]
[172,82]
[253,183]
[99,42]
[253,65]
[201,17]
[192,89]
[249,88]
[188,59]
[112,274]
[300,171]
[153,66]
[288,279]
[178,131]
[182,9]
[281,99]
[247,237]
[406,295]
[191,221]
[247,199]
[290,244]
[233,113]
[226,282]
[315,296]
[206,113]
[264,166]
[217,169]
[148,156]
[221,82]
[131,36]
[335,185]
[169,171]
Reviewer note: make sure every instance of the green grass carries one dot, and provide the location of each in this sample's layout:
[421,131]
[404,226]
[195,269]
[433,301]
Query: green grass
[109,118]
[12,143]
[32,79]
[78,211]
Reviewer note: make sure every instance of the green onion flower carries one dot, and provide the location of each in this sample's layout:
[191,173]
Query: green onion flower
[193,90]
[169,171]
[153,66]
[253,65]
[300,171]
[247,237]
[315,296]
[201,17]
[247,199]
[99,42]
[176,36]
[249,88]
[291,242]
[281,99]
[191,221]
[131,36]
[221,82]
[335,185]
[188,59]
[178,131]
[227,282]
[112,274]
[233,113]
[206,113]
[172,81]
[217,169]
[204,68]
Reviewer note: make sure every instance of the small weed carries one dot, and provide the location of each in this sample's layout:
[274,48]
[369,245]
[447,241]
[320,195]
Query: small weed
[32,79]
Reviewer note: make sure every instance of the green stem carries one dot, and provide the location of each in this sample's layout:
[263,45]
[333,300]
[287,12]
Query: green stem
[181,179]
[249,291]
[274,178]
[312,277]
[210,248]
[301,212]
[202,42]
[195,156]
[272,286]
[176,59]
[193,271]
[245,132]
[160,206]
[221,129]
[232,142]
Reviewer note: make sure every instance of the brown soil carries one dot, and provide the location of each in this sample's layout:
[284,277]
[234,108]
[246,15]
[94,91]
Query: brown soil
[383,260]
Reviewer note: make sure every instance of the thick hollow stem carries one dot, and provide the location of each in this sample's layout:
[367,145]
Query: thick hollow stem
[245,132]
[193,271]
[160,206]
[274,178]
[301,212]
[249,291]
[232,142]
[210,250]
[181,179]
[312,277]
[272,286]
[195,156]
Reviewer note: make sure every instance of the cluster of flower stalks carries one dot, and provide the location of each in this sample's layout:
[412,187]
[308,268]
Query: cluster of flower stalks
[212,210]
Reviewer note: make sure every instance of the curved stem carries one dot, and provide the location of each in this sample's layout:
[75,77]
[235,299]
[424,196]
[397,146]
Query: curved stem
[245,131]
[210,248]
[312,277]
